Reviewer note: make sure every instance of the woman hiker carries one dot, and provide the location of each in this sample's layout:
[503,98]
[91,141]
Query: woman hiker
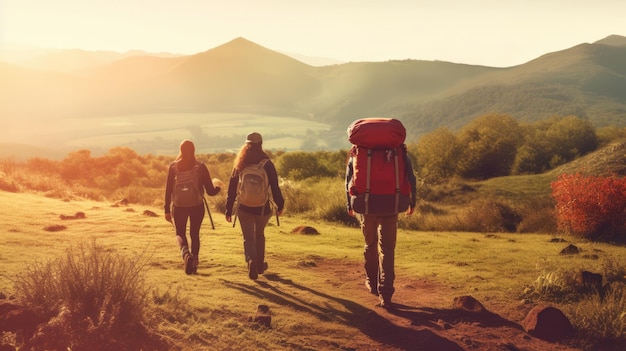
[253,184]
[187,179]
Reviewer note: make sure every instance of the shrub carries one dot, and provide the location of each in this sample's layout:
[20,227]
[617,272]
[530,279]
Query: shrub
[591,207]
[8,185]
[553,286]
[537,217]
[601,321]
[490,215]
[97,299]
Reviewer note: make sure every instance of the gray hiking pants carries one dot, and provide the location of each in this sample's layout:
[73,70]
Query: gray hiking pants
[253,230]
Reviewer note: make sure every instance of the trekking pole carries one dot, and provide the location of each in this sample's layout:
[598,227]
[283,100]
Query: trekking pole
[273,205]
[236,211]
[209,211]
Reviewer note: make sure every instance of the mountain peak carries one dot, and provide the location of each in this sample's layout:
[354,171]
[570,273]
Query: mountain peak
[613,40]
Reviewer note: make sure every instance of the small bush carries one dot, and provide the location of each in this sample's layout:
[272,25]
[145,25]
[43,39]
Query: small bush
[601,321]
[591,207]
[490,215]
[8,184]
[296,198]
[555,286]
[97,300]
[537,217]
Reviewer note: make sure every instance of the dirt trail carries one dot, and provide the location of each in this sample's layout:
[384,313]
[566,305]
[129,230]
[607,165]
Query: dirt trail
[416,324]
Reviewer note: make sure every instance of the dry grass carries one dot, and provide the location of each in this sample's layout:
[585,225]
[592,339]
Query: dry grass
[314,283]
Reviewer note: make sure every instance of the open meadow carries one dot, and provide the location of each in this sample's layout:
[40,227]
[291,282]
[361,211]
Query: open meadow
[160,133]
[314,285]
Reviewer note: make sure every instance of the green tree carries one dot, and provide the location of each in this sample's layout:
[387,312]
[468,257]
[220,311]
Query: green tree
[300,165]
[437,155]
[78,166]
[570,137]
[553,141]
[489,146]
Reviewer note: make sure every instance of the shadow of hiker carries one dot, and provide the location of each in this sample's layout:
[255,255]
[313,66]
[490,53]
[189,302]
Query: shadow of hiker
[352,314]
[425,316]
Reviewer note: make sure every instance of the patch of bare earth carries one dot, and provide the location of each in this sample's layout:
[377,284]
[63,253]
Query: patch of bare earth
[424,317]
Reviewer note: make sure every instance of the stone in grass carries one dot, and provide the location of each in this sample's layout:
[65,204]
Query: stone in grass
[468,303]
[548,323]
[262,316]
[303,229]
[570,250]
[54,228]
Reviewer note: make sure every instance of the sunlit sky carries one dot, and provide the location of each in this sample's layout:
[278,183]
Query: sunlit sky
[497,33]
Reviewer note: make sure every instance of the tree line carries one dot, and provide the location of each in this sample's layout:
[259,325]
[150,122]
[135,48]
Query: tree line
[497,145]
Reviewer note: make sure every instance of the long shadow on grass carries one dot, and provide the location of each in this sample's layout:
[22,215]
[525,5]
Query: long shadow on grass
[353,314]
[432,317]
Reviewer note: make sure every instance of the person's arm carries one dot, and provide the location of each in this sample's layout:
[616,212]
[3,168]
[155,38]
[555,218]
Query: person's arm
[207,182]
[413,182]
[272,177]
[169,186]
[232,194]
[349,174]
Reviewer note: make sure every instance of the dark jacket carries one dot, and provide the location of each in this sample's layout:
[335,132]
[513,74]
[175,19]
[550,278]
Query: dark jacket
[277,195]
[205,180]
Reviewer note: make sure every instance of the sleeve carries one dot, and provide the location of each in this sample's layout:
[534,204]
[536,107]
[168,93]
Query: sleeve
[207,182]
[169,186]
[349,173]
[232,193]
[412,181]
[272,177]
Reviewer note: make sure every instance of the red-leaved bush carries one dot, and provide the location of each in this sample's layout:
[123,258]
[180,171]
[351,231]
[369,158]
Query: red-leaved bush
[591,207]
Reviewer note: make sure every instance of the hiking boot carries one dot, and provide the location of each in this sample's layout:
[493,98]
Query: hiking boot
[195,265]
[373,290]
[385,302]
[262,268]
[188,258]
[252,270]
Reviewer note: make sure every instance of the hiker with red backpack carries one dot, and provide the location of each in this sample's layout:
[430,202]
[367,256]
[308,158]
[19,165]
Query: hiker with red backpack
[254,186]
[380,183]
[187,179]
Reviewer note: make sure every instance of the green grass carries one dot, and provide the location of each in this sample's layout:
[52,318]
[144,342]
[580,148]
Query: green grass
[314,285]
[151,130]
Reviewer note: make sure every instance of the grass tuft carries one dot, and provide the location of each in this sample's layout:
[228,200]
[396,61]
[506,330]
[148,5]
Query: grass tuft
[94,299]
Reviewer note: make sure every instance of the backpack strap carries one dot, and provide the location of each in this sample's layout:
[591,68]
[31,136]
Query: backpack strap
[269,197]
[368,180]
[397,169]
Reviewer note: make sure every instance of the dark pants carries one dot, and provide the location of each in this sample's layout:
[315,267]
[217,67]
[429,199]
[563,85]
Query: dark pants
[194,215]
[380,234]
[253,229]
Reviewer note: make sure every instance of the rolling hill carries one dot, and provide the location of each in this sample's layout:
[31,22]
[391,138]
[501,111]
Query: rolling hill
[587,80]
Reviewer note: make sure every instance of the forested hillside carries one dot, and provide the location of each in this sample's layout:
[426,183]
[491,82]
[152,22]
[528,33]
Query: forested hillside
[586,81]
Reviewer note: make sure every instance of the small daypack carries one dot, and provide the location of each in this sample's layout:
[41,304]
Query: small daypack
[187,188]
[379,184]
[253,188]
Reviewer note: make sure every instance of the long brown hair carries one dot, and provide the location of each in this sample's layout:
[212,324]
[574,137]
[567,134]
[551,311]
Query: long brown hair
[186,158]
[250,153]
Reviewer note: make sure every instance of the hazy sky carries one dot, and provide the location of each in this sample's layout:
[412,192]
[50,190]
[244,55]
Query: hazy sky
[486,32]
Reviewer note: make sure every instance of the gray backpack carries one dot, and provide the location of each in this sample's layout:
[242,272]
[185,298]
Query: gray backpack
[187,188]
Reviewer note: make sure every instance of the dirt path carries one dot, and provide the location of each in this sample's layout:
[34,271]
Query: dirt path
[422,319]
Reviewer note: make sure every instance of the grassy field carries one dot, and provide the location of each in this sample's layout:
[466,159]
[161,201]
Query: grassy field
[314,284]
[152,129]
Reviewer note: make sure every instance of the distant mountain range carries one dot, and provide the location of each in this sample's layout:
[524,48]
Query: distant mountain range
[587,80]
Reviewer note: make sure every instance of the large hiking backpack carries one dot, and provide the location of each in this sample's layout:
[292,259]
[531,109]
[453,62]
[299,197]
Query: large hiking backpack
[253,188]
[379,184]
[187,188]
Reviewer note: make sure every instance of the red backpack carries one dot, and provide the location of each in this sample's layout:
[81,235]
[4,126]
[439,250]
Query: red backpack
[379,183]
